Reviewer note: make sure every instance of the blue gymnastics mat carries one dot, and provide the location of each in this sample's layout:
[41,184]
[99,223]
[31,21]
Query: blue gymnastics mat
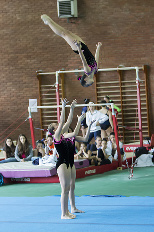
[102,214]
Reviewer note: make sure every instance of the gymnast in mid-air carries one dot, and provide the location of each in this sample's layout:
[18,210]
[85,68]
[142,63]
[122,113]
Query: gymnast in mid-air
[90,63]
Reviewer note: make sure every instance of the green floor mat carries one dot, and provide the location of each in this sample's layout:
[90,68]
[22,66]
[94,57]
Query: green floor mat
[110,183]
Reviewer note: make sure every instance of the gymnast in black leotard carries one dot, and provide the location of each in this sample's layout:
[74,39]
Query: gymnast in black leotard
[62,148]
[90,63]
[65,146]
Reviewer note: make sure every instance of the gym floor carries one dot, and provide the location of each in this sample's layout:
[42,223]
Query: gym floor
[111,201]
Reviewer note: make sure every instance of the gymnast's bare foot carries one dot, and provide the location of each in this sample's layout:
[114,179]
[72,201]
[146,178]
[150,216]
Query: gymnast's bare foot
[77,211]
[66,217]
[71,215]
[45,18]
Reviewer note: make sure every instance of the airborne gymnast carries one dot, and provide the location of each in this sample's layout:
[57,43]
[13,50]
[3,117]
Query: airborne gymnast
[90,63]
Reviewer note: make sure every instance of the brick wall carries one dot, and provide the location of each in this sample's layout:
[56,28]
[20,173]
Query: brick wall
[124,27]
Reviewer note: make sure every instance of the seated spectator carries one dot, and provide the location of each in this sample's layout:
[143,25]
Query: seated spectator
[94,147]
[46,156]
[8,151]
[49,145]
[104,154]
[92,150]
[50,151]
[111,144]
[23,151]
[93,115]
[106,122]
[39,151]
[84,153]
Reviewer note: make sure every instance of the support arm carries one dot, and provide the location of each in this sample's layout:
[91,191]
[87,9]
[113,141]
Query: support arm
[87,69]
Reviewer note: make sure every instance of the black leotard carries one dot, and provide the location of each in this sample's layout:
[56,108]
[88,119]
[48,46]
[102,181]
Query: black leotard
[65,149]
[87,54]
[71,150]
[62,149]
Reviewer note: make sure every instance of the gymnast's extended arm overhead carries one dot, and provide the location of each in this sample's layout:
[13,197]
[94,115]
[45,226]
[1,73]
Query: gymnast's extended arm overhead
[62,121]
[70,117]
[77,128]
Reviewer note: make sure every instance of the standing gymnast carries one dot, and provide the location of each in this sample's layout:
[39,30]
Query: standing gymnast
[65,145]
[71,152]
[89,62]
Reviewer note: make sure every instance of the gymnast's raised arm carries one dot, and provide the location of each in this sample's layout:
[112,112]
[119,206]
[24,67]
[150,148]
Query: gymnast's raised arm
[58,132]
[70,117]
[87,69]
[85,139]
[77,128]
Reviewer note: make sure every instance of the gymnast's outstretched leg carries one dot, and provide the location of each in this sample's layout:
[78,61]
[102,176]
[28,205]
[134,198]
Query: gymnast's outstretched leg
[71,192]
[65,34]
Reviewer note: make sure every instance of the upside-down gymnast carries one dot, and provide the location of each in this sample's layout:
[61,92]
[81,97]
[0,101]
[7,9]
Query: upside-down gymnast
[65,146]
[89,62]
